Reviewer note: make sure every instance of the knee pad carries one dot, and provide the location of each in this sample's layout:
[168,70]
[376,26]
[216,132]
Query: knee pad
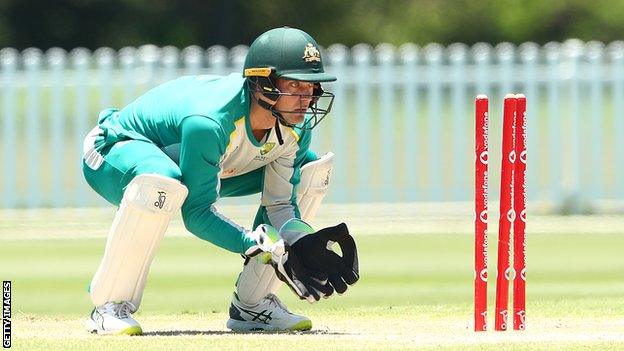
[315,179]
[148,203]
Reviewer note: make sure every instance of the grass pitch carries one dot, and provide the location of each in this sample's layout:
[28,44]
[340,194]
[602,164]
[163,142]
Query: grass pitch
[415,293]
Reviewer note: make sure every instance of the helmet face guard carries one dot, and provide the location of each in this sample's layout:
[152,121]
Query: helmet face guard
[320,104]
[319,107]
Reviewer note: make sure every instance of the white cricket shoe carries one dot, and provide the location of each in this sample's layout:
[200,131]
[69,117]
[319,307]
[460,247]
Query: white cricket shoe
[270,314]
[114,318]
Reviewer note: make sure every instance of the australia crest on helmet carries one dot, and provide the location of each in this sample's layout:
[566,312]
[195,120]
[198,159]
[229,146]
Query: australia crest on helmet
[311,53]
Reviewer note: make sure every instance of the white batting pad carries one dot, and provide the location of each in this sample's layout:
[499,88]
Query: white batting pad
[149,202]
[315,179]
[256,281]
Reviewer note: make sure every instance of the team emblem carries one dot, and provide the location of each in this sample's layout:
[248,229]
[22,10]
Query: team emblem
[266,148]
[310,53]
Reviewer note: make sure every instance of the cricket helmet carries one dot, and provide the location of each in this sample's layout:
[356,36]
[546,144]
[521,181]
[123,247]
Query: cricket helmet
[288,53]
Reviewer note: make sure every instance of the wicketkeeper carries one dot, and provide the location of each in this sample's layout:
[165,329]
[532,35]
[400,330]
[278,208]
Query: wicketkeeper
[187,142]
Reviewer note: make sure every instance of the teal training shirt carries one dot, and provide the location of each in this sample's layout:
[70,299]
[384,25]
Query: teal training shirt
[202,123]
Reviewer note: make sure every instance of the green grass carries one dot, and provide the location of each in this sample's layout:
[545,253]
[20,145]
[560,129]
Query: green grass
[415,292]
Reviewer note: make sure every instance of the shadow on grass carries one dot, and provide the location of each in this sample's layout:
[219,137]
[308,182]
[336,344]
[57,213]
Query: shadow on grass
[228,332]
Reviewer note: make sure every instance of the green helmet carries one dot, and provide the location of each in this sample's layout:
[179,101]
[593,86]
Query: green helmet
[286,53]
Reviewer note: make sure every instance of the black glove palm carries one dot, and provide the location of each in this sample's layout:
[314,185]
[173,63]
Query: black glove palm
[326,270]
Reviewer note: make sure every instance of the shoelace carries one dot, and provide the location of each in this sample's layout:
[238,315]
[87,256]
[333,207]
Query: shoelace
[274,300]
[123,310]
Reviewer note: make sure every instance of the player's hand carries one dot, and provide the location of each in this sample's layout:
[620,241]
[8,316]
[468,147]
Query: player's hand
[270,249]
[328,270]
[267,241]
[315,253]
[306,284]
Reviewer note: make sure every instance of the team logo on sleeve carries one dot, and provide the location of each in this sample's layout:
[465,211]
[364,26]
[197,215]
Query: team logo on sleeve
[266,148]
[310,53]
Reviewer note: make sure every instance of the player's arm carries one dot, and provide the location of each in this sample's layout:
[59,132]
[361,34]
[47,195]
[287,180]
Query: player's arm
[203,143]
[281,178]
[202,147]
[311,250]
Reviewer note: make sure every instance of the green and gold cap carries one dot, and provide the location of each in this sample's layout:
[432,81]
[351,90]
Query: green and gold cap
[289,53]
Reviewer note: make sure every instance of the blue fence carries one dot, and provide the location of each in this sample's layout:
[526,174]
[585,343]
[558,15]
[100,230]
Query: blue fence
[402,125]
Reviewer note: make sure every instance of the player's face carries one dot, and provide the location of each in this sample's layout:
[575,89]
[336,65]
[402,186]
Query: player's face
[298,102]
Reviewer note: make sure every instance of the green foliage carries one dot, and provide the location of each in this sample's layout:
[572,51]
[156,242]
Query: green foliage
[118,23]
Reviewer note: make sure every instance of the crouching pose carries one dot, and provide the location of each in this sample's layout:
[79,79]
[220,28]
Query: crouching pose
[187,142]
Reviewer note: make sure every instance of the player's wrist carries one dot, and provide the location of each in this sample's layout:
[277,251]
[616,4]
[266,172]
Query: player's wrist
[294,229]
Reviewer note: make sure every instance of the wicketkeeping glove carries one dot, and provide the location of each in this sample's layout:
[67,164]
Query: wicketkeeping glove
[325,271]
[306,284]
[316,255]
[267,240]
[269,249]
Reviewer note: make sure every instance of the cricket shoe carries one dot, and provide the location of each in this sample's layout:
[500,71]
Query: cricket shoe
[114,318]
[270,315]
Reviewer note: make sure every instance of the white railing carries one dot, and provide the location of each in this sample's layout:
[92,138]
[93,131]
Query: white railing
[402,123]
